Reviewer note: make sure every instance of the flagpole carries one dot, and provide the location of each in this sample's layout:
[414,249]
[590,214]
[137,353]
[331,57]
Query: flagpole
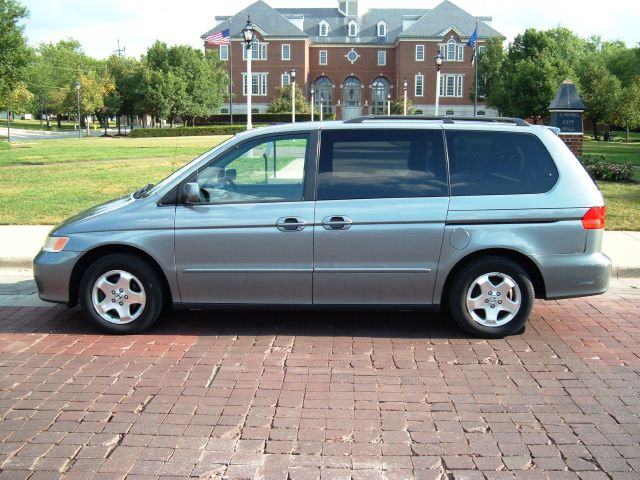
[475,64]
[230,80]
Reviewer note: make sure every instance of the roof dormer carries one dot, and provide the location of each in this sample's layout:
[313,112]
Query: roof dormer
[323,28]
[352,28]
[381,28]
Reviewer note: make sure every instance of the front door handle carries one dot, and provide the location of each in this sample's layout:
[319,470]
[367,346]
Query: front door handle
[336,222]
[290,224]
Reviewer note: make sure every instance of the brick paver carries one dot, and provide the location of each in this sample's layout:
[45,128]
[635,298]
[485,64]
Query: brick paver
[330,395]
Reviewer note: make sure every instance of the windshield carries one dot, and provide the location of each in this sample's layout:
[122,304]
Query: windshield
[160,185]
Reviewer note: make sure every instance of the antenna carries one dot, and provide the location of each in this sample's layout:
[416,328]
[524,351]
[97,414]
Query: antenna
[119,51]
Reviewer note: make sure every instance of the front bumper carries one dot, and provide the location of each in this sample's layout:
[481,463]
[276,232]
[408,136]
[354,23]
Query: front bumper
[52,272]
[568,276]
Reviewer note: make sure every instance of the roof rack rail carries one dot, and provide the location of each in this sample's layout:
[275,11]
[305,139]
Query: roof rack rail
[447,119]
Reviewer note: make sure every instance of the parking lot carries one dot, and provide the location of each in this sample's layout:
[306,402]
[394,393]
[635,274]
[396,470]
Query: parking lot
[326,394]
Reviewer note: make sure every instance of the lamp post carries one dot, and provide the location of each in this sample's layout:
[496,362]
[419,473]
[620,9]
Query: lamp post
[313,104]
[321,106]
[438,61]
[388,104]
[405,84]
[292,75]
[77,84]
[248,33]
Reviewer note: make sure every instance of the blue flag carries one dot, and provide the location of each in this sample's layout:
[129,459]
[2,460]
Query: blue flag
[473,39]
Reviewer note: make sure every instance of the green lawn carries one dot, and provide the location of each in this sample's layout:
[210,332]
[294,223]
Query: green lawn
[618,152]
[44,182]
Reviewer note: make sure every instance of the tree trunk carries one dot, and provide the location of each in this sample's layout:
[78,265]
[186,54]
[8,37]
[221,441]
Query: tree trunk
[59,122]
[595,129]
[627,133]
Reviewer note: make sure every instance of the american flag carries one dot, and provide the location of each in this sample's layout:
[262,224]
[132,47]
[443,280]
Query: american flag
[219,38]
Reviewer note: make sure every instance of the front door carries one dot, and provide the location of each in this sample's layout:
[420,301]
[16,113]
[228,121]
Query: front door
[382,200]
[250,238]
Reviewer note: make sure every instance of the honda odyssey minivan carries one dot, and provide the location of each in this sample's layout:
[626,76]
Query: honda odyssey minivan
[476,216]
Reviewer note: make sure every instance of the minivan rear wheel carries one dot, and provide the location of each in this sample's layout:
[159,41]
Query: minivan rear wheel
[492,297]
[121,294]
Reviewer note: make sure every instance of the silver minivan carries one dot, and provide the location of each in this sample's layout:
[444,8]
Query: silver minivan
[477,217]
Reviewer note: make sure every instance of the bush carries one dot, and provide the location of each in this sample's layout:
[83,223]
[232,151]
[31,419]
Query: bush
[600,169]
[261,118]
[187,131]
[5,145]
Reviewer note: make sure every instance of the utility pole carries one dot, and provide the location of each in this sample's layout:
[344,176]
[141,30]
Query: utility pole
[119,51]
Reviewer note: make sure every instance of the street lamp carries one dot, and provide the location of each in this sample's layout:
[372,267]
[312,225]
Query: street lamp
[321,105]
[438,61]
[77,85]
[292,75]
[248,33]
[388,104]
[313,106]
[405,84]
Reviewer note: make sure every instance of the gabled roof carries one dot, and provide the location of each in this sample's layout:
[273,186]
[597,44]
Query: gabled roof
[428,23]
[264,17]
[444,16]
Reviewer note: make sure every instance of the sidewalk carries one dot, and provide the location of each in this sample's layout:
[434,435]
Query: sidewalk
[20,243]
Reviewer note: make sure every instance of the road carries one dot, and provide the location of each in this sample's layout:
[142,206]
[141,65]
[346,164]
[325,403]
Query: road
[341,394]
[19,135]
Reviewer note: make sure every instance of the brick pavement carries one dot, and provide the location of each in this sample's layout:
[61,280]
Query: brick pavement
[300,395]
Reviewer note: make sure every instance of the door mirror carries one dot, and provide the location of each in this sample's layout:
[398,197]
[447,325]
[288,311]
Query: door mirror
[231,174]
[191,193]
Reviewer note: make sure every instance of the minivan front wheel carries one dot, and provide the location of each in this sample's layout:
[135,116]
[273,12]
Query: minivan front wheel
[491,297]
[121,294]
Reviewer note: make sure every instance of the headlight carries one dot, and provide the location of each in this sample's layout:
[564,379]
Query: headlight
[55,244]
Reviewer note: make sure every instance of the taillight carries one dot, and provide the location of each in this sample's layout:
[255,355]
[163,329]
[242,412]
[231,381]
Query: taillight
[594,218]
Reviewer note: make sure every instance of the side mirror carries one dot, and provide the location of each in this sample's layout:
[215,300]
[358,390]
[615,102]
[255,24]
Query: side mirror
[231,174]
[191,193]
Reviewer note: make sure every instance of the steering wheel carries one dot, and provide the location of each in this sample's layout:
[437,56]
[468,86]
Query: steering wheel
[230,185]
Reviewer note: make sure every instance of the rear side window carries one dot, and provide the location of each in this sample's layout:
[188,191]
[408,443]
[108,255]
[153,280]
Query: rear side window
[498,163]
[381,164]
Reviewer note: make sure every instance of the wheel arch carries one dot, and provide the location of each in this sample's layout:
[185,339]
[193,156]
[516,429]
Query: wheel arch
[521,259]
[92,255]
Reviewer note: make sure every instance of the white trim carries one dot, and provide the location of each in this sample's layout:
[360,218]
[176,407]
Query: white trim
[326,57]
[282,55]
[285,79]
[451,27]
[383,24]
[423,53]
[261,84]
[418,82]
[226,49]
[354,24]
[382,54]
[326,25]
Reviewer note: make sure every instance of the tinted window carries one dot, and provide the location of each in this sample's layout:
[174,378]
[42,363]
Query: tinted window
[498,163]
[381,164]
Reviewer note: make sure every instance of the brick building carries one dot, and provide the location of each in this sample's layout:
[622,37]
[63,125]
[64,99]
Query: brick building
[354,59]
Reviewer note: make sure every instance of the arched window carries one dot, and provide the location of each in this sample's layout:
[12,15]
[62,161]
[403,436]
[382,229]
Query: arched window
[323,94]
[352,95]
[379,91]
[353,28]
[451,50]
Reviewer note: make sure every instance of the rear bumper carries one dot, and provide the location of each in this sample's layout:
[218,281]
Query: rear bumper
[52,272]
[567,276]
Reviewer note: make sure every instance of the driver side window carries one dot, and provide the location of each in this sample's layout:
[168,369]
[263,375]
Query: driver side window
[269,171]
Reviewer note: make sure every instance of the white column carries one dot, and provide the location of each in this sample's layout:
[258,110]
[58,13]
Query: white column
[293,101]
[437,91]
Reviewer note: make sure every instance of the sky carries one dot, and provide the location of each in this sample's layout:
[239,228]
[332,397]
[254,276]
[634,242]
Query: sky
[138,23]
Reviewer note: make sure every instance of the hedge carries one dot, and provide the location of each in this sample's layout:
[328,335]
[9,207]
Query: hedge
[600,168]
[187,131]
[5,145]
[260,118]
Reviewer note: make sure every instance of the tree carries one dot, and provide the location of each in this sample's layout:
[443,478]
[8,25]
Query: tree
[282,101]
[599,89]
[397,106]
[18,100]
[14,52]
[627,112]
[489,62]
[127,74]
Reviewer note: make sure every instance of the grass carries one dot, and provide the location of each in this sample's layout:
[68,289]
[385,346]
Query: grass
[45,182]
[618,152]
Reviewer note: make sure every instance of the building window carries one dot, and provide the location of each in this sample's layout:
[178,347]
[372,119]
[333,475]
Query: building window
[460,53]
[419,112]
[482,48]
[450,112]
[323,57]
[353,28]
[451,50]
[324,29]
[451,85]
[419,88]
[382,57]
[285,79]
[286,51]
[382,29]
[224,110]
[224,52]
[419,53]
[258,51]
[258,84]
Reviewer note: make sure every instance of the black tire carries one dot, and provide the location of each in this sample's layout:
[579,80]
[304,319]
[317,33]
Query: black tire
[133,276]
[510,303]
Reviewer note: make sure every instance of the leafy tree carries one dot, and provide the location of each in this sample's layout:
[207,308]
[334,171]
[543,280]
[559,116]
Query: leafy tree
[18,100]
[14,52]
[127,73]
[599,89]
[397,106]
[282,101]
[627,112]
[489,62]
[623,62]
